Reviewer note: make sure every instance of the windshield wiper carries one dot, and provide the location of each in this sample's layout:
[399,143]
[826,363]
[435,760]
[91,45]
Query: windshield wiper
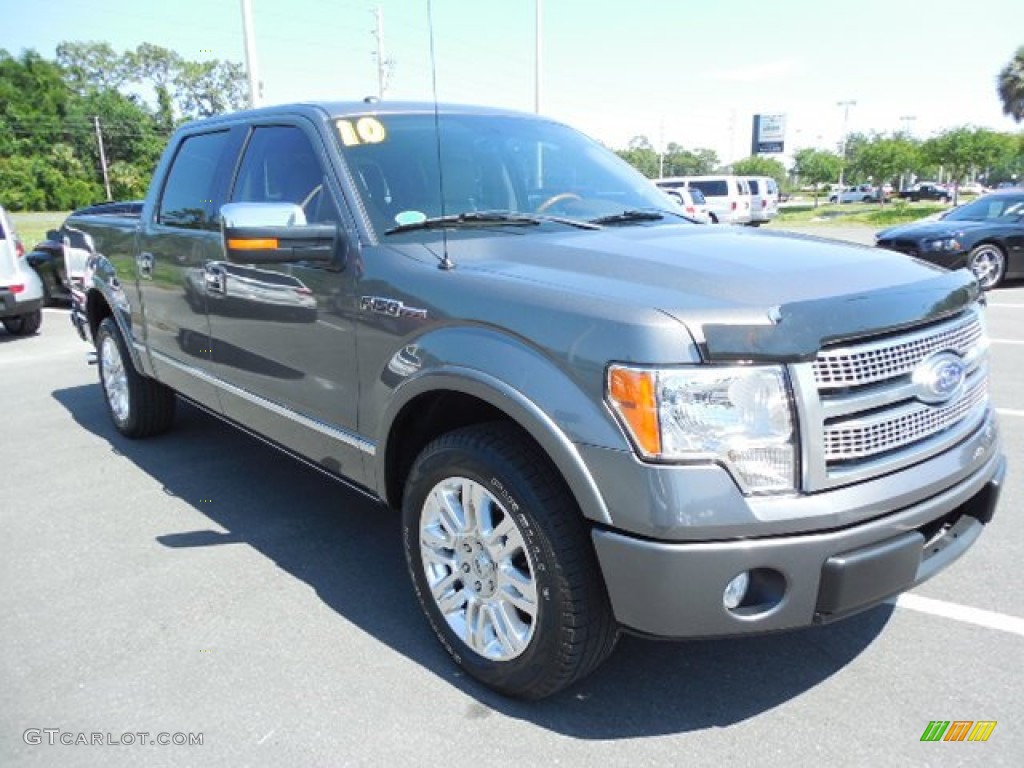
[469,218]
[628,216]
[485,218]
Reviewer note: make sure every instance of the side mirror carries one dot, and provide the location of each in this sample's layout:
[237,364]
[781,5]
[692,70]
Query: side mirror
[53,235]
[275,233]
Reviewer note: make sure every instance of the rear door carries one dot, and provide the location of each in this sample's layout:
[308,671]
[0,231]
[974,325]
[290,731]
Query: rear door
[179,235]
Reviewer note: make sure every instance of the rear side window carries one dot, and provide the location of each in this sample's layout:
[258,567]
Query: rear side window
[698,196]
[772,187]
[754,187]
[712,188]
[193,192]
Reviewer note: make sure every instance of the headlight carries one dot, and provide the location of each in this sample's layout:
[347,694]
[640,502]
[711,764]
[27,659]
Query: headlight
[740,416]
[943,244]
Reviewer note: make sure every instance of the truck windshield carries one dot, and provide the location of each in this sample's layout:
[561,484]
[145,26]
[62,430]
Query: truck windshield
[487,163]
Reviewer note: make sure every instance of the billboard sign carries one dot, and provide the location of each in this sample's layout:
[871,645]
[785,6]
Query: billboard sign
[769,134]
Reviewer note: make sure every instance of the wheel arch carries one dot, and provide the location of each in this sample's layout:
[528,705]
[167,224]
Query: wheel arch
[454,397]
[98,306]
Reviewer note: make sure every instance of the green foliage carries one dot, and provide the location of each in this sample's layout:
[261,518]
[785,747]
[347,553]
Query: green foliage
[1010,86]
[49,155]
[760,166]
[967,150]
[883,159]
[817,167]
[677,160]
[641,155]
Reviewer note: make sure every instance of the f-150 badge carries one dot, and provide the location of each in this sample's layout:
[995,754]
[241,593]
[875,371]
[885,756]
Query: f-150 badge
[390,307]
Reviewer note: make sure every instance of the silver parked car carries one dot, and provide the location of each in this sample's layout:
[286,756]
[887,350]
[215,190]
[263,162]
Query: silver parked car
[21,291]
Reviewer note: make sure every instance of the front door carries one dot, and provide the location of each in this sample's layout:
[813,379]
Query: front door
[278,336]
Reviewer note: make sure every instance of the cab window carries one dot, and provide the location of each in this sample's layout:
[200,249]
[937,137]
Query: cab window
[193,192]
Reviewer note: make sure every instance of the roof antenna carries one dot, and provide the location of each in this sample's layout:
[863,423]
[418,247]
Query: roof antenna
[446,262]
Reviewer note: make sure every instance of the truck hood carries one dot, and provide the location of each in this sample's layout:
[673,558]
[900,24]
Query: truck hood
[743,294]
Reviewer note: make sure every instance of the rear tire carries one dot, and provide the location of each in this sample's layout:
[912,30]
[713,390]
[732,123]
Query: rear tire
[502,563]
[138,405]
[24,325]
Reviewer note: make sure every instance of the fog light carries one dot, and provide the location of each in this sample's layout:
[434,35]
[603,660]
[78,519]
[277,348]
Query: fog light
[736,590]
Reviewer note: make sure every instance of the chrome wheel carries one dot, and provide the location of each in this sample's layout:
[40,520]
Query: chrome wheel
[115,379]
[987,263]
[477,568]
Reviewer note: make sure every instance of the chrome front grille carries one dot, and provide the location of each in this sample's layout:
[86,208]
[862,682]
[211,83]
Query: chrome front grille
[861,414]
[890,431]
[868,363]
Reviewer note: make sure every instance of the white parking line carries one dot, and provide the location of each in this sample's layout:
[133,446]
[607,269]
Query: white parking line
[964,613]
[1007,341]
[1009,412]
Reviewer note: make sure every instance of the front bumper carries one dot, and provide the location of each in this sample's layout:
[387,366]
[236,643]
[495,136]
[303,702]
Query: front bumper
[673,589]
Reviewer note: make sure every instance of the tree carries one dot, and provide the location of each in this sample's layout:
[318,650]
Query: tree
[641,155]
[761,166]
[680,161]
[815,166]
[207,88]
[91,66]
[1010,85]
[882,159]
[965,150]
[158,66]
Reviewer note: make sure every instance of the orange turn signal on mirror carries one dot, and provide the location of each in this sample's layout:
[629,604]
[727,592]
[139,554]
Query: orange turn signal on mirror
[256,244]
[632,394]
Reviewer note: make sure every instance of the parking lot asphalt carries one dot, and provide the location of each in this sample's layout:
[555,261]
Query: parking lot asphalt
[202,583]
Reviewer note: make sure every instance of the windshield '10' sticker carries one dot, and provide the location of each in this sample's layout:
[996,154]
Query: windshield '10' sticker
[365,130]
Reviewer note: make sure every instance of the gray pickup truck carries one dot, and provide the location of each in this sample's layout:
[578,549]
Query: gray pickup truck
[594,414]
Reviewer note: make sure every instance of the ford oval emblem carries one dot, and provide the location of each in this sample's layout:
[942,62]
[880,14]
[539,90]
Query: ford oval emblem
[939,377]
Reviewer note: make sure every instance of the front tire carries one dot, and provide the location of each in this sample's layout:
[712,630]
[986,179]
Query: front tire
[24,325]
[502,563]
[138,405]
[988,263]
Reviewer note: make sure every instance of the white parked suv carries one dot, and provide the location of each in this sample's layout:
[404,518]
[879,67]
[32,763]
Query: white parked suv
[21,291]
[728,197]
[764,199]
[692,202]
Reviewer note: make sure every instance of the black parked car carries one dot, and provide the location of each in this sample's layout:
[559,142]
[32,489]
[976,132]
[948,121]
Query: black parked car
[47,257]
[926,191]
[986,235]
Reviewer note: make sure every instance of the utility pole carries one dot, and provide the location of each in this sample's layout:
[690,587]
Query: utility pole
[103,156]
[842,152]
[251,63]
[384,64]
[538,9]
[907,120]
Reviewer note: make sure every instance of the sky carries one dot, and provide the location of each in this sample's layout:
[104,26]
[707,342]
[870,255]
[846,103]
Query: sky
[693,72]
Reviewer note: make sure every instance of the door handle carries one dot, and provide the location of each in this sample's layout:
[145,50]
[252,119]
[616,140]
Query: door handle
[144,262]
[214,279]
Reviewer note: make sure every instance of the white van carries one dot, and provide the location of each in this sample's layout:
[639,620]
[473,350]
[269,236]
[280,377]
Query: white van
[764,199]
[728,197]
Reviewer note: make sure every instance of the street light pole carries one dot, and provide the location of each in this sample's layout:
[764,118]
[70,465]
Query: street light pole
[842,158]
[907,120]
[251,63]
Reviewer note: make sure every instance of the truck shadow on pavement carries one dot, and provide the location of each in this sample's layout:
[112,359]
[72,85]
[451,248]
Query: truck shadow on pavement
[339,543]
